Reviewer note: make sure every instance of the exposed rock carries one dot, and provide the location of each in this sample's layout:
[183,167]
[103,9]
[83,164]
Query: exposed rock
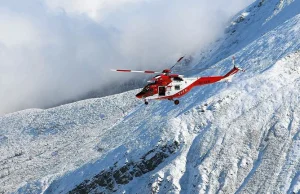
[112,177]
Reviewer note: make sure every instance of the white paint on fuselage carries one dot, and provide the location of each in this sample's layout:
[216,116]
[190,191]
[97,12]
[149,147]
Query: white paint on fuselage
[172,88]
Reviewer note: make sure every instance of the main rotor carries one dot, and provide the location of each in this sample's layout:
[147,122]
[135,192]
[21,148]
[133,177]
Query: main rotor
[164,72]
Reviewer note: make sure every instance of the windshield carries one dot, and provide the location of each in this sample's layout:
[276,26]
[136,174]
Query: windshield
[147,88]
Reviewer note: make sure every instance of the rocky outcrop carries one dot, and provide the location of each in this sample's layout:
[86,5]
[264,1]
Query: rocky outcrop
[108,180]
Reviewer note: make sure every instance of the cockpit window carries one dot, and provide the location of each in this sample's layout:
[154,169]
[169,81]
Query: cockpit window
[178,79]
[147,88]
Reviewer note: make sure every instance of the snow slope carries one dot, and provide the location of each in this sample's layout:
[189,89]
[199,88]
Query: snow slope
[239,137]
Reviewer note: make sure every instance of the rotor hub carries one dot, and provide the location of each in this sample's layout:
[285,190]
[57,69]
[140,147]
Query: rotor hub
[166,71]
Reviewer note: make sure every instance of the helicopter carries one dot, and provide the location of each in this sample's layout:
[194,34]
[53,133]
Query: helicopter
[169,86]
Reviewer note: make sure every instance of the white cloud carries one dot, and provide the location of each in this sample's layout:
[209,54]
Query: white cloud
[15,30]
[52,51]
[96,9]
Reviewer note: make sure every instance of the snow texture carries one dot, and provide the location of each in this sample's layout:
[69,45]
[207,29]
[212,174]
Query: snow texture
[238,137]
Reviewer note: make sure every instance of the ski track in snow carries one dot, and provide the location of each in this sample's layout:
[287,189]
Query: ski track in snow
[239,137]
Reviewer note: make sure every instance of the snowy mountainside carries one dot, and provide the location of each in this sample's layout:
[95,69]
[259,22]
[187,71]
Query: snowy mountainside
[36,143]
[260,18]
[225,144]
[239,137]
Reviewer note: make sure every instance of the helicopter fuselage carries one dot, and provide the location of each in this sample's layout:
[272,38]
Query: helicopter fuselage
[173,89]
[174,86]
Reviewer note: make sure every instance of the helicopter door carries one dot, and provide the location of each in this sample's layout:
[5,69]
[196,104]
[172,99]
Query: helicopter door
[161,91]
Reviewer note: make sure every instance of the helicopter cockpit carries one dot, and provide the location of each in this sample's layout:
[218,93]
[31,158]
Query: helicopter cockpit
[146,89]
[178,79]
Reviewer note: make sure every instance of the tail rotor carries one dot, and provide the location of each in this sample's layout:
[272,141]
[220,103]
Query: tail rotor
[237,67]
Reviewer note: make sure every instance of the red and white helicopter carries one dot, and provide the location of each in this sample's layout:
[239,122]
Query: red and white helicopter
[168,86]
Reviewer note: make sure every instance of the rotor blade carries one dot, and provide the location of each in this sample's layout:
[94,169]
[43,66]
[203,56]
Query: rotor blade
[133,71]
[199,70]
[178,61]
[206,68]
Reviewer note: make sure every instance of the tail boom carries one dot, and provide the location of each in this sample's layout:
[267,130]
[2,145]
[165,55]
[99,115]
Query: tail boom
[232,72]
[213,79]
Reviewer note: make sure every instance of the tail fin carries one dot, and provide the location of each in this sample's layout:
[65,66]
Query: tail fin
[233,63]
[233,71]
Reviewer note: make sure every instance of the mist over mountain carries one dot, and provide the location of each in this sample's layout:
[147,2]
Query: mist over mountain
[57,51]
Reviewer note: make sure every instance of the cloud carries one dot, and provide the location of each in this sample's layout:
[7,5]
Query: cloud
[52,51]
[95,9]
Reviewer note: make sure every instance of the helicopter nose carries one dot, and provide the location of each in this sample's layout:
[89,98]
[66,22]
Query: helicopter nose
[139,95]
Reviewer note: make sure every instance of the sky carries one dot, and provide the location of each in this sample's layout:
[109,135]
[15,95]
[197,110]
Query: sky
[55,50]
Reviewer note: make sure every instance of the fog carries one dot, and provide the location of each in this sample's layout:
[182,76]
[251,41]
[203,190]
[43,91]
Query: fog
[55,50]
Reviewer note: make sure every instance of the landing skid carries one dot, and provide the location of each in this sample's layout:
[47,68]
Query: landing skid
[176,102]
